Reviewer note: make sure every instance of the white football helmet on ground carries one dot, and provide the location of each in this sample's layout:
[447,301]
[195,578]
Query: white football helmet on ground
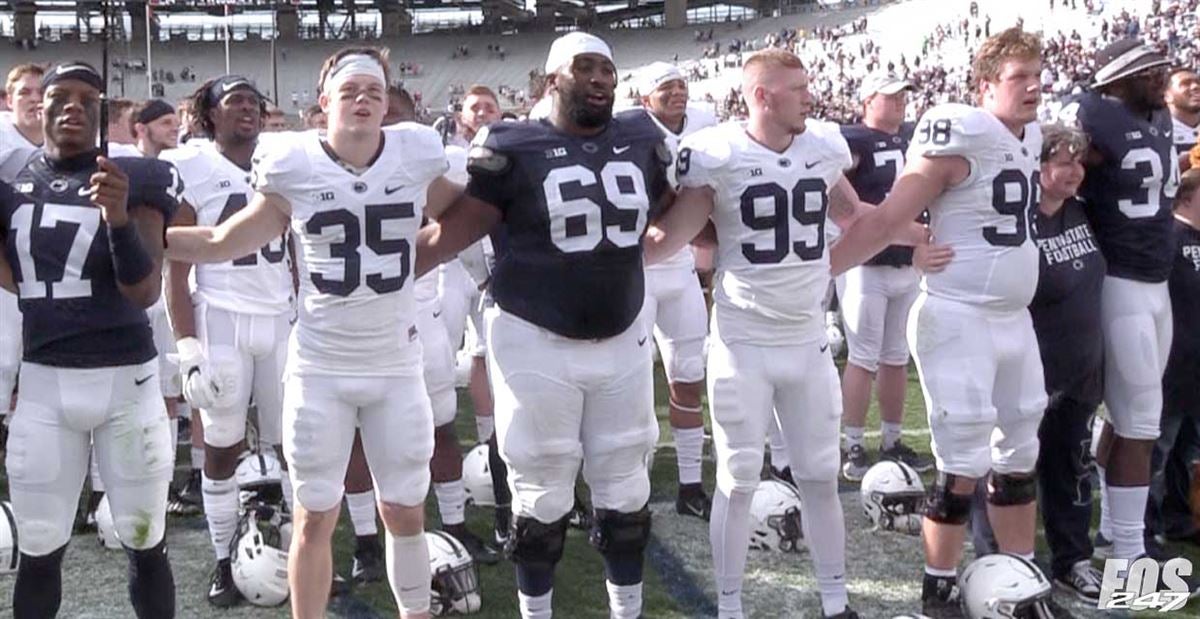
[260,479]
[10,555]
[260,558]
[106,528]
[775,522]
[455,589]
[477,477]
[892,497]
[1003,586]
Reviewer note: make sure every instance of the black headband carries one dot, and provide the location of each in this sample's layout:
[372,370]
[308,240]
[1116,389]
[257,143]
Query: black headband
[77,70]
[227,84]
[154,110]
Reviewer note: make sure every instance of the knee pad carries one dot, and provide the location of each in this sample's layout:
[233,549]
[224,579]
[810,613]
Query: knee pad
[620,533]
[686,362]
[140,531]
[1007,489]
[39,538]
[946,507]
[444,404]
[742,472]
[536,544]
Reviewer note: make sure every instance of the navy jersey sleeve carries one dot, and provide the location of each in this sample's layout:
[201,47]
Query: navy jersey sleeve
[153,184]
[490,165]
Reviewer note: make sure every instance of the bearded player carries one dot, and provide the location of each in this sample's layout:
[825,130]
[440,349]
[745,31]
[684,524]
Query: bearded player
[568,198]
[353,199]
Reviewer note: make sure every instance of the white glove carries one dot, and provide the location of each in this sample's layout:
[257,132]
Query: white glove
[200,387]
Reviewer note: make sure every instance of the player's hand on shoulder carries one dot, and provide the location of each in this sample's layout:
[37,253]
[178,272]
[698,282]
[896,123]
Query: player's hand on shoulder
[109,191]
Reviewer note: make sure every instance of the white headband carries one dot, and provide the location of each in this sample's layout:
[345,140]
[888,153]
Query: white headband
[656,74]
[354,64]
[567,47]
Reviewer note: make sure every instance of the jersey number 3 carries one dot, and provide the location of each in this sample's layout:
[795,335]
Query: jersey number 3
[348,248]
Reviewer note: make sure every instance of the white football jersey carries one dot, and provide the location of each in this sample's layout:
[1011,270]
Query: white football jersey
[1183,135]
[117,149]
[694,120]
[770,215]
[15,150]
[356,241]
[985,218]
[216,188]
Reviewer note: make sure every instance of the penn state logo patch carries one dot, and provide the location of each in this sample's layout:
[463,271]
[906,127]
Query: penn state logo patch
[360,187]
[59,185]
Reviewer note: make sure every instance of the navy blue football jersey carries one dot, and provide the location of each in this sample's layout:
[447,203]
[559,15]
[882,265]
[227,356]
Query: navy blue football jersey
[1130,191]
[880,158]
[57,245]
[569,253]
[1065,308]
[1181,385]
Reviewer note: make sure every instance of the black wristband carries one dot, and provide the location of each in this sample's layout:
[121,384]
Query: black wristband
[130,260]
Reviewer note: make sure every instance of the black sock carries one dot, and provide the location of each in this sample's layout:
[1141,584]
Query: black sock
[38,591]
[499,474]
[151,584]
[624,568]
[937,587]
[535,580]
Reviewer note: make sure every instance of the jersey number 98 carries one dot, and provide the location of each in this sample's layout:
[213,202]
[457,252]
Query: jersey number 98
[1013,194]
[937,132]
[348,249]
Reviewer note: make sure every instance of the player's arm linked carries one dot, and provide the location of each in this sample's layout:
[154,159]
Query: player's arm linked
[683,220]
[466,220]
[262,221]
[923,180]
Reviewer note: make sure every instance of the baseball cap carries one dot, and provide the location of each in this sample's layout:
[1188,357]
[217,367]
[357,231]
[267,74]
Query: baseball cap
[882,82]
[564,49]
[1124,58]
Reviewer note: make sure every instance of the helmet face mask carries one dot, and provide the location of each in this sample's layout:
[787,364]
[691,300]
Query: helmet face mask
[775,517]
[455,590]
[790,528]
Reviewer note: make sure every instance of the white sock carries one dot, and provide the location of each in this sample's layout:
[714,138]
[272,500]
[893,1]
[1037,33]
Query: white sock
[689,451]
[1128,507]
[940,573]
[97,482]
[285,480]
[1105,512]
[197,458]
[825,535]
[174,438]
[854,436]
[729,534]
[362,512]
[535,606]
[408,572]
[452,501]
[624,601]
[485,425]
[221,511]
[891,433]
[779,454]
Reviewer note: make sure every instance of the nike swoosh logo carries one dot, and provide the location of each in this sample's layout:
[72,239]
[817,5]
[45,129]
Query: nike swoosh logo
[617,150]
[733,592]
[641,341]
[825,348]
[391,190]
[809,166]
[141,381]
[85,192]
[436,314]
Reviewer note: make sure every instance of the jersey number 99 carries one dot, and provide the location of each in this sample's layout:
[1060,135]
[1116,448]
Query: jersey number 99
[348,248]
[784,208]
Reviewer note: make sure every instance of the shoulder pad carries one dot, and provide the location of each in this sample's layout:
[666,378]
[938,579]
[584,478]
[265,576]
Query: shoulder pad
[953,129]
[665,156]
[636,124]
[192,162]
[698,118]
[483,156]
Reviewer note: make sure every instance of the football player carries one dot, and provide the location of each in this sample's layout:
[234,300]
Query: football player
[83,244]
[232,330]
[155,127]
[460,286]
[1183,100]
[977,171]
[1132,175]
[20,136]
[569,198]
[354,199]
[675,305]
[769,185]
[875,297]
